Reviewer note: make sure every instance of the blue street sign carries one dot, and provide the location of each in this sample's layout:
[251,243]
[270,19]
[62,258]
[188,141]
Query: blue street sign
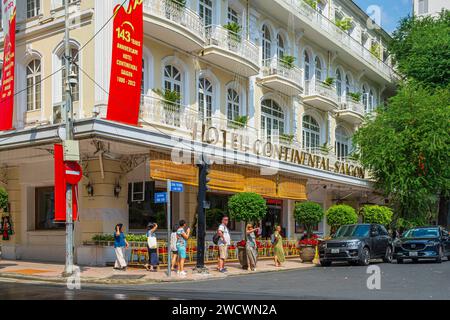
[176,187]
[161,197]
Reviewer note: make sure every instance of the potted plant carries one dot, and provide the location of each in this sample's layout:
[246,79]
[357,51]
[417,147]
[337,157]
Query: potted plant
[325,148]
[329,81]
[344,24]
[171,98]
[287,138]
[356,96]
[239,122]
[246,207]
[288,61]
[312,3]
[376,214]
[234,30]
[339,215]
[309,214]
[375,49]
[179,3]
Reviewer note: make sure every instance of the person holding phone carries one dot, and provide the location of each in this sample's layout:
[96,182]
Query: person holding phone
[183,234]
[120,246]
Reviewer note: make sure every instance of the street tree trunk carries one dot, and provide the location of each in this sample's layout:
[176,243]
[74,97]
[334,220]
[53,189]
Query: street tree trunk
[444,203]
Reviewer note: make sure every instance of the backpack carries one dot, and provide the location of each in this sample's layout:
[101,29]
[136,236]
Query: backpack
[216,238]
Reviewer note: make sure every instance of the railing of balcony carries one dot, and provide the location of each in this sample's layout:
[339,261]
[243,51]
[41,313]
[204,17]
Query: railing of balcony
[322,89]
[220,37]
[171,10]
[350,104]
[323,23]
[277,67]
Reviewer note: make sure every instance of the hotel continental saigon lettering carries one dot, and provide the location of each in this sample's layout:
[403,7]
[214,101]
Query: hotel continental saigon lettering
[220,137]
[126,65]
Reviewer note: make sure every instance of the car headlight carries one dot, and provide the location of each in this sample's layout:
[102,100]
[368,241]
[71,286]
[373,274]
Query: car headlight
[353,244]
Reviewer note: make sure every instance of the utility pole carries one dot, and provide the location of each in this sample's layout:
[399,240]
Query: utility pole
[68,119]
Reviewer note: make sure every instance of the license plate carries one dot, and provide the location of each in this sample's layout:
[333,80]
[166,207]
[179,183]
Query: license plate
[334,250]
[413,254]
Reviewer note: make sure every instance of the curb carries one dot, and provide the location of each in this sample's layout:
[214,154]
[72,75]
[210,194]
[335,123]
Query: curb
[105,281]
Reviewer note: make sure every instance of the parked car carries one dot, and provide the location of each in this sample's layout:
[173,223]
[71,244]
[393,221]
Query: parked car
[357,244]
[423,243]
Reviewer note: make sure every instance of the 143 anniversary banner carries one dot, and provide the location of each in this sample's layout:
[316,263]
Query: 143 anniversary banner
[126,66]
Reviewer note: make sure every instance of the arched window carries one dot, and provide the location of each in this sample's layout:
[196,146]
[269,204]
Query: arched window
[339,83]
[33,8]
[272,119]
[307,63]
[205,8]
[205,98]
[233,16]
[343,143]
[233,105]
[266,44]
[76,88]
[173,79]
[365,98]
[280,47]
[311,133]
[319,70]
[371,101]
[348,85]
[34,85]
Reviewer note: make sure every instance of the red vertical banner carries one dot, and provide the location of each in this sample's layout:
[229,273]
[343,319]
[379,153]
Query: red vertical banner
[65,172]
[7,85]
[126,65]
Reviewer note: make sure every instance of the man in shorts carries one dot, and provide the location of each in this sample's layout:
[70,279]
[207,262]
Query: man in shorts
[224,242]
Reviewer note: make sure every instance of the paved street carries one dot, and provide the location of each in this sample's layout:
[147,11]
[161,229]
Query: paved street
[409,281]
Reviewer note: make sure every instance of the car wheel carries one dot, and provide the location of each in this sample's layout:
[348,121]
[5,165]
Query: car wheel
[388,256]
[441,254]
[399,261]
[325,263]
[365,257]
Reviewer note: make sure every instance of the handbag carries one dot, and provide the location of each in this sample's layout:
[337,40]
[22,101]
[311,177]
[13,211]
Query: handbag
[151,242]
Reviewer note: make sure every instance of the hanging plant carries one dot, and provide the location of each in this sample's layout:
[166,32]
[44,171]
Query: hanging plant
[312,3]
[356,96]
[4,200]
[288,61]
[375,49]
[234,30]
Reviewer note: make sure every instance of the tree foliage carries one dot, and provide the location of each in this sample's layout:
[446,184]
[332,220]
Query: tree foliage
[339,215]
[421,49]
[3,199]
[247,207]
[309,214]
[377,214]
[406,147]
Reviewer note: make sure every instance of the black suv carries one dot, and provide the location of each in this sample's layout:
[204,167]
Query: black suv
[423,243]
[357,244]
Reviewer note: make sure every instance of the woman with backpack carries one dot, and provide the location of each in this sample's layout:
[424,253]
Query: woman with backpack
[278,249]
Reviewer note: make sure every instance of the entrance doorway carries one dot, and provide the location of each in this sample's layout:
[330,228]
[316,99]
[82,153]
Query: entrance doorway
[273,217]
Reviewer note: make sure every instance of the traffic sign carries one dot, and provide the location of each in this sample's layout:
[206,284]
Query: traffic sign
[161,197]
[176,187]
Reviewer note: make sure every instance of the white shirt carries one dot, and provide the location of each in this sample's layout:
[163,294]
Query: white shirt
[173,241]
[226,236]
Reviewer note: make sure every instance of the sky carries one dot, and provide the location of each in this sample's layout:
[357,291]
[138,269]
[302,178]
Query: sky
[391,11]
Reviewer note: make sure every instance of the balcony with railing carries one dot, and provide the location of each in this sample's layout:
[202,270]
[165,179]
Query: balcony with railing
[281,76]
[321,95]
[351,111]
[174,23]
[231,51]
[318,24]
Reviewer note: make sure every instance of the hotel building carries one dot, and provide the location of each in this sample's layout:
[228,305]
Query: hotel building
[274,102]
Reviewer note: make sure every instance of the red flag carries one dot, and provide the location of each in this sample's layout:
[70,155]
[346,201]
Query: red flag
[126,65]
[7,86]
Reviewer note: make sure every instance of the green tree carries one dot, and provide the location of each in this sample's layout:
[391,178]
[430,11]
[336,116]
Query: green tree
[377,214]
[339,215]
[406,148]
[421,49]
[309,214]
[247,207]
[3,199]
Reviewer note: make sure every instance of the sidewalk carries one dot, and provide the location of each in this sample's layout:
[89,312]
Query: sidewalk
[36,271]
